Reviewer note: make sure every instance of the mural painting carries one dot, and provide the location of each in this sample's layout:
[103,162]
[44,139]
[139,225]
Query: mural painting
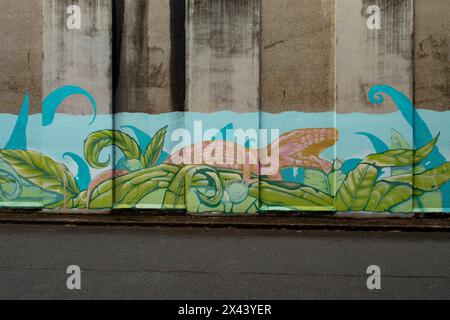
[88,165]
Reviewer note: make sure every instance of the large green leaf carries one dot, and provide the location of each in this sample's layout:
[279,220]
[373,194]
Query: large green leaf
[426,181]
[42,171]
[385,196]
[392,158]
[425,151]
[128,190]
[401,157]
[433,179]
[398,141]
[354,193]
[327,183]
[336,179]
[318,180]
[98,141]
[429,202]
[279,194]
[155,148]
[10,185]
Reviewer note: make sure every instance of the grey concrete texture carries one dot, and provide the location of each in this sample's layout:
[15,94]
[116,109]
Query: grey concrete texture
[432,54]
[365,57]
[78,57]
[136,263]
[20,54]
[223,55]
[298,55]
[144,78]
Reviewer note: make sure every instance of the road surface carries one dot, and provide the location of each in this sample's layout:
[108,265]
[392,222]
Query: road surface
[146,263]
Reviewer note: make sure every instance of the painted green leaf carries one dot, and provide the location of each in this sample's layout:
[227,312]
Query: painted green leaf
[336,179]
[42,171]
[278,194]
[155,148]
[425,151]
[401,157]
[392,158]
[176,193]
[10,182]
[328,184]
[10,185]
[398,141]
[354,193]
[128,190]
[29,195]
[429,202]
[404,207]
[6,180]
[318,180]
[433,179]
[426,181]
[98,141]
[385,196]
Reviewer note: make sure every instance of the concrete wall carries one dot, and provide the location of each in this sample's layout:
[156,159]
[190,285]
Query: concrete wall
[223,55]
[298,55]
[78,57]
[365,58]
[432,54]
[241,56]
[143,56]
[301,45]
[20,54]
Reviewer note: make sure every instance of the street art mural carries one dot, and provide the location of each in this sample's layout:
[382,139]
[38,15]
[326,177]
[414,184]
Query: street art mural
[64,162]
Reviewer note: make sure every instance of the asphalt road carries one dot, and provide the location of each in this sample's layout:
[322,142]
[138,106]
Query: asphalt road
[140,263]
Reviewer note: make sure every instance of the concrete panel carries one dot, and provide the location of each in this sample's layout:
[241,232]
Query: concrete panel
[223,61]
[223,55]
[82,58]
[20,54]
[432,54]
[78,57]
[144,56]
[298,55]
[365,58]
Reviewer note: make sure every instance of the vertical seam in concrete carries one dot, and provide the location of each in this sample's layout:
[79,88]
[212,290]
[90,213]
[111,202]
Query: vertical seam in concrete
[117,30]
[178,54]
[118,12]
[413,54]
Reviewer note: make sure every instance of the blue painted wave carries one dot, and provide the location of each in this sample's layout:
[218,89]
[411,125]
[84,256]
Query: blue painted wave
[54,100]
[18,139]
[377,143]
[143,138]
[83,177]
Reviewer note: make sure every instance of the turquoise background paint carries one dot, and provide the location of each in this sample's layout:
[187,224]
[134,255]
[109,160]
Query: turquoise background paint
[68,132]
[62,136]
